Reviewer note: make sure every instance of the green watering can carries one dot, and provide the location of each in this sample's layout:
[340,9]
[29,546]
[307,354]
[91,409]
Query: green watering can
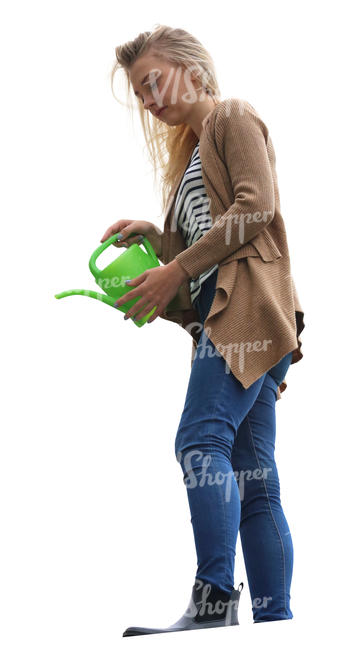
[131,263]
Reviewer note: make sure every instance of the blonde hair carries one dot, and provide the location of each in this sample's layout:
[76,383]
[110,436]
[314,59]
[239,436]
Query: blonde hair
[169,146]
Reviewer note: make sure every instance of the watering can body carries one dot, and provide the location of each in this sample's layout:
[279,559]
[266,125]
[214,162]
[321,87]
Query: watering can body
[131,263]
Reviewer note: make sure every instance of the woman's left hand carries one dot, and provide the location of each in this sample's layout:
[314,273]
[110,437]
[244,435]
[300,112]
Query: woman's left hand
[157,287]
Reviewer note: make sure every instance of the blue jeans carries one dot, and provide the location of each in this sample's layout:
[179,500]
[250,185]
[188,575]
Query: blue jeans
[225,445]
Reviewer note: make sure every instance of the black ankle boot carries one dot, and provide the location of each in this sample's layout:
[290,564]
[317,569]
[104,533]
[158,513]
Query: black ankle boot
[208,607]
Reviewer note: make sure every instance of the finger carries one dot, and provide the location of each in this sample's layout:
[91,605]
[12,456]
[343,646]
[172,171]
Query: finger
[134,282]
[158,312]
[109,232]
[126,298]
[137,315]
[135,292]
[119,244]
[130,295]
[137,308]
[113,229]
[130,239]
[136,239]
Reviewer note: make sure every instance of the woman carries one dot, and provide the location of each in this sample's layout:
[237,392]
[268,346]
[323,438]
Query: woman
[225,262]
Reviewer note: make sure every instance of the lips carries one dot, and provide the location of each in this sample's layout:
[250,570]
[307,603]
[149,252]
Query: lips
[162,109]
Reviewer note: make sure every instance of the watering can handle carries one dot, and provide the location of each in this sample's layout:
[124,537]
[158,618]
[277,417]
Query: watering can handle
[92,263]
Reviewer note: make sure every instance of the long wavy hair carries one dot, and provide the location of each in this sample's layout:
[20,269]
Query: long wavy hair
[169,147]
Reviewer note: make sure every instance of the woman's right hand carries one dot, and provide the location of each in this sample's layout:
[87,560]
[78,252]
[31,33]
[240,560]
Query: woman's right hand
[127,226]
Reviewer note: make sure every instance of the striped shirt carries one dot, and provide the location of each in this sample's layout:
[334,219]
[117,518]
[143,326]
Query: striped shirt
[192,214]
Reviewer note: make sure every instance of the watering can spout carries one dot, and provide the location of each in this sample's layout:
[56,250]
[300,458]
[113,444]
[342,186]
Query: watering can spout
[128,265]
[109,300]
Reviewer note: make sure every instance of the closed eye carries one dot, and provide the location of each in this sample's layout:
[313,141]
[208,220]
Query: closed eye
[152,84]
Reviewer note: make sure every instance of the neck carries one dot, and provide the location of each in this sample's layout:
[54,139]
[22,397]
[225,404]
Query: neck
[200,113]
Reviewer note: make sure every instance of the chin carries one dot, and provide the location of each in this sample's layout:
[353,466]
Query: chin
[169,119]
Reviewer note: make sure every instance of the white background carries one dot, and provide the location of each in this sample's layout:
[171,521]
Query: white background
[95,524]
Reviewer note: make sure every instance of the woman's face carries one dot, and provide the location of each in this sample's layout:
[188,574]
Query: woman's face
[161,85]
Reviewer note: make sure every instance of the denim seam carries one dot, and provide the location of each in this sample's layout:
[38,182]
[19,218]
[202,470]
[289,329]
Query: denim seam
[273,518]
[213,459]
[210,449]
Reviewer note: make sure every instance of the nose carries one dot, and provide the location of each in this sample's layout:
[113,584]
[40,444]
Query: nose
[148,102]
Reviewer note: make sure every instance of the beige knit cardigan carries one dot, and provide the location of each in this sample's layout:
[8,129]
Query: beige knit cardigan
[256,317]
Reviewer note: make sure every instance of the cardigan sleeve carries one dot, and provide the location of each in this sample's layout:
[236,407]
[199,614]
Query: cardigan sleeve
[156,240]
[240,140]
